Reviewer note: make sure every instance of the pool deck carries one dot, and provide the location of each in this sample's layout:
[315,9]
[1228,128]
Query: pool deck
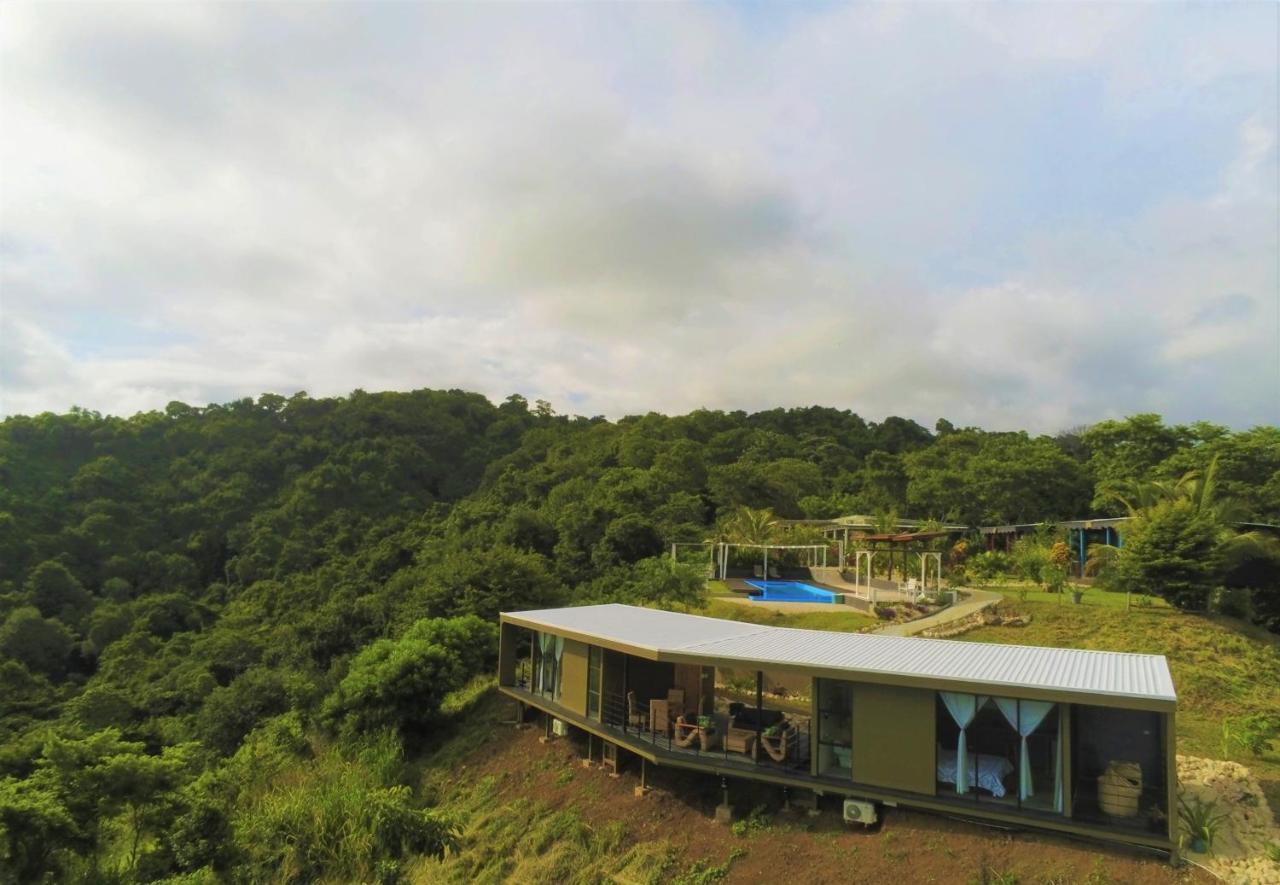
[973,601]
[780,606]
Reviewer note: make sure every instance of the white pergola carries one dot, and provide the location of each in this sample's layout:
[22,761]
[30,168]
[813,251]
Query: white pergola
[859,555]
[927,558]
[817,555]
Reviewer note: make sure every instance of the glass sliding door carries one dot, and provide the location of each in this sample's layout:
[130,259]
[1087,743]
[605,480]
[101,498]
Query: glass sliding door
[835,728]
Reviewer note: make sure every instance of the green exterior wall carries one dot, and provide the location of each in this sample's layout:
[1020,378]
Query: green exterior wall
[893,737]
[573,681]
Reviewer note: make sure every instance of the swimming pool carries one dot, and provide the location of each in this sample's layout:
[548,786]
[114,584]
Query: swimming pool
[790,591]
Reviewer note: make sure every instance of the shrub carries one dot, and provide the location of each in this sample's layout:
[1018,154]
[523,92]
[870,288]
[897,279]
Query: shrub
[401,683]
[1031,559]
[757,821]
[989,564]
[1254,733]
[1055,578]
[1171,549]
[1232,602]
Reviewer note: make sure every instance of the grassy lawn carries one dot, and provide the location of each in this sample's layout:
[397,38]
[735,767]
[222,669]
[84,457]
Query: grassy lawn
[1222,667]
[841,617]
[1093,597]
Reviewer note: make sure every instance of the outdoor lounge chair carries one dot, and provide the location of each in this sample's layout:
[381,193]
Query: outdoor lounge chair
[779,746]
[689,733]
[774,574]
[757,571]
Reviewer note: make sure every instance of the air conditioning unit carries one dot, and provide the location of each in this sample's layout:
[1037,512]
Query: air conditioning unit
[857,811]
[559,727]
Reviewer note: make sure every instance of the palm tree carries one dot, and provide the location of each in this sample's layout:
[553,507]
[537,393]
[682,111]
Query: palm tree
[1195,487]
[1195,491]
[750,526]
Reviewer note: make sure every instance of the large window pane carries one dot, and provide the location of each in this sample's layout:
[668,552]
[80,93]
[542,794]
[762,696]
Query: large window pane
[835,727]
[1118,768]
[1001,751]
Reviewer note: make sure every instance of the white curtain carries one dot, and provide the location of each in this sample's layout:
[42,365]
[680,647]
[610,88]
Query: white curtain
[962,707]
[545,662]
[559,655]
[1025,717]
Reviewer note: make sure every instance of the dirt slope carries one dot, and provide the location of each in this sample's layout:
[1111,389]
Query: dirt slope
[532,813]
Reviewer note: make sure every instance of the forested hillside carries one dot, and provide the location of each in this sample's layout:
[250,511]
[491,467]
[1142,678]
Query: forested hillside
[197,602]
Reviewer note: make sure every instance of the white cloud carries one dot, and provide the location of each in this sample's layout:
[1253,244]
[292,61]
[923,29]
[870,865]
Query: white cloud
[1010,216]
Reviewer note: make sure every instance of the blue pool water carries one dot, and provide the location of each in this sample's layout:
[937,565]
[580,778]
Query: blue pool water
[790,591]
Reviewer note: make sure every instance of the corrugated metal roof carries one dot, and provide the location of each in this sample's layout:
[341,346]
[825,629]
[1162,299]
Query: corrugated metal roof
[641,627]
[1119,674]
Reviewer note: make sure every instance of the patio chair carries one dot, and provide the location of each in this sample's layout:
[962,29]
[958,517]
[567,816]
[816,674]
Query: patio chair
[687,733]
[675,701]
[779,746]
[660,716]
[757,571]
[635,716]
[774,574]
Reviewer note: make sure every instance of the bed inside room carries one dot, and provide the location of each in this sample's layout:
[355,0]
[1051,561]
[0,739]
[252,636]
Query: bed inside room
[1009,747]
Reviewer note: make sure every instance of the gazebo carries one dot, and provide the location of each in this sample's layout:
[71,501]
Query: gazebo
[906,543]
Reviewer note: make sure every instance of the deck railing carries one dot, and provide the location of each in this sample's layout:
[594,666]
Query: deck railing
[635,723]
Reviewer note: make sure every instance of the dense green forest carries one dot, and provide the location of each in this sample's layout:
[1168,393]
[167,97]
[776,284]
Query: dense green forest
[196,601]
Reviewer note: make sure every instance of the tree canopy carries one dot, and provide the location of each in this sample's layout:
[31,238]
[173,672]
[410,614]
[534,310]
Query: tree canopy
[192,600]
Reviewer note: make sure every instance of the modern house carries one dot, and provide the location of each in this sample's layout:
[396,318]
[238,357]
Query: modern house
[1066,740]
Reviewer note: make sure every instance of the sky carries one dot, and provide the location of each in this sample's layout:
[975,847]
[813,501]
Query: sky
[1016,216]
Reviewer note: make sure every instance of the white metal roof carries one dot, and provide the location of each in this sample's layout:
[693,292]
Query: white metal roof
[1118,674]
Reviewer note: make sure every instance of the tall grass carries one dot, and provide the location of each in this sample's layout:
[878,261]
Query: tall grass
[341,817]
[528,841]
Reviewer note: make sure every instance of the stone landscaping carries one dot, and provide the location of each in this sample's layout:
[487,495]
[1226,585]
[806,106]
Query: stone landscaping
[1239,852]
[987,617]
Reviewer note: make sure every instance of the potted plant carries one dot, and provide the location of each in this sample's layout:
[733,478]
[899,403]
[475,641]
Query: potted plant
[1202,820]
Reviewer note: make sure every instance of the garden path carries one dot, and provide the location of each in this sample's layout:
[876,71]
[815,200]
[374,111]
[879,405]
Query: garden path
[975,601]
